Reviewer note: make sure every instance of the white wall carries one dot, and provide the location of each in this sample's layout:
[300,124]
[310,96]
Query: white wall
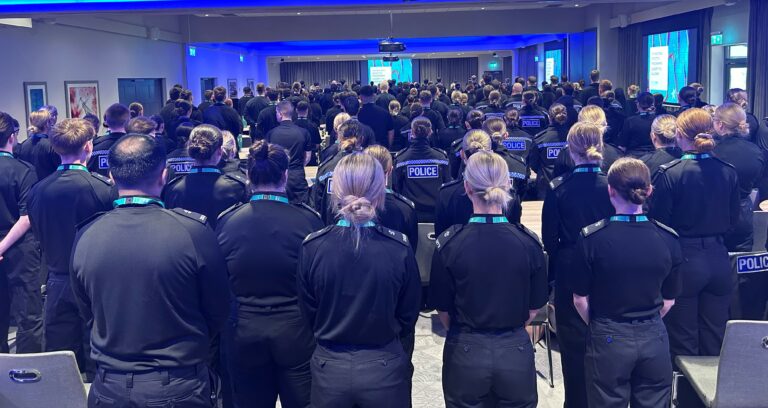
[222,64]
[55,53]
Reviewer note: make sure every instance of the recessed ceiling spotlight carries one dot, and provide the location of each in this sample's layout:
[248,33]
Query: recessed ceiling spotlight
[482,8]
[207,15]
[298,13]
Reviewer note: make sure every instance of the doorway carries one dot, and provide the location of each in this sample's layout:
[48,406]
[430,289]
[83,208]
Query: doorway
[146,91]
[207,84]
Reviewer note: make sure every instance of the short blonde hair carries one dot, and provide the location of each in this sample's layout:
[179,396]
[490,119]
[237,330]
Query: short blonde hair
[585,140]
[339,120]
[664,128]
[487,175]
[474,141]
[382,155]
[394,107]
[229,145]
[496,128]
[39,121]
[594,115]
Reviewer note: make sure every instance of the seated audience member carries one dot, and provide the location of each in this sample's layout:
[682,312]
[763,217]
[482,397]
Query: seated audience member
[161,339]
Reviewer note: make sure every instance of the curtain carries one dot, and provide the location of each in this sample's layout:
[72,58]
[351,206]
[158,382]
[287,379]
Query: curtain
[507,64]
[449,69]
[526,61]
[630,56]
[320,71]
[705,50]
[758,58]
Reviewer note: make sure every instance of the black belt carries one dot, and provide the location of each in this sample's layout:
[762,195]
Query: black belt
[334,346]
[159,374]
[267,308]
[717,239]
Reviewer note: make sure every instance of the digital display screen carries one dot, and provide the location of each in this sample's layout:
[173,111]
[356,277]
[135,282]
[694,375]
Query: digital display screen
[553,63]
[669,62]
[400,71]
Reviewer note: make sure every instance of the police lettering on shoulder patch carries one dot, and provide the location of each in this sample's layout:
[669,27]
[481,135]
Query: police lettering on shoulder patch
[328,188]
[422,171]
[182,168]
[530,121]
[103,162]
[516,145]
[553,152]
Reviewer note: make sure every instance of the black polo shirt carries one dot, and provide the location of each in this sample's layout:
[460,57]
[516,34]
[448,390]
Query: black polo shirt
[224,118]
[661,156]
[16,180]
[98,162]
[37,150]
[455,207]
[296,140]
[378,119]
[205,190]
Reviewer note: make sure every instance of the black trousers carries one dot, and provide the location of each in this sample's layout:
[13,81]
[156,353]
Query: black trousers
[297,188]
[268,354]
[489,369]
[347,376]
[170,388]
[628,364]
[571,334]
[63,327]
[696,324]
[20,296]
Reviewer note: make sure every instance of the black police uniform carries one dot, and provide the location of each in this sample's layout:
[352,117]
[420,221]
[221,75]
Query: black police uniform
[546,148]
[635,134]
[20,267]
[698,196]
[519,172]
[179,162]
[266,121]
[297,142]
[252,109]
[314,137]
[358,318]
[399,214]
[98,163]
[232,166]
[379,120]
[565,164]
[37,150]
[435,118]
[518,142]
[205,190]
[455,164]
[56,205]
[533,119]
[661,156]
[269,344]
[330,115]
[445,138]
[224,118]
[454,207]
[322,190]
[575,200]
[419,172]
[627,265]
[155,302]
[614,116]
[400,124]
[488,354]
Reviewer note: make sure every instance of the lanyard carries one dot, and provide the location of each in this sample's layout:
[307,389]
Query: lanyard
[628,218]
[690,156]
[345,223]
[120,202]
[79,167]
[484,220]
[269,197]
[587,170]
[204,170]
[6,154]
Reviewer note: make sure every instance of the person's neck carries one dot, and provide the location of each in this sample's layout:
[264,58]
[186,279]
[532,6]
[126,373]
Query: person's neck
[74,160]
[285,120]
[145,192]
[626,208]
[269,188]
[661,146]
[212,162]
[582,162]
[483,208]
[117,130]
[7,148]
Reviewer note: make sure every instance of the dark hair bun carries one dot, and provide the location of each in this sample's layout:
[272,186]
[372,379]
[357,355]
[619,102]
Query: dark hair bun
[267,163]
[204,141]
[259,150]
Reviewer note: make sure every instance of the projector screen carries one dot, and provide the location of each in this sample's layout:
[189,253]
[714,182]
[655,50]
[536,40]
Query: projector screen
[553,63]
[670,59]
[400,71]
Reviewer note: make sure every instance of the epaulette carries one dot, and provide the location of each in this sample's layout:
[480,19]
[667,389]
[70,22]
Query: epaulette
[305,206]
[240,179]
[441,151]
[724,162]
[394,235]
[400,152]
[175,179]
[592,228]
[664,167]
[90,219]
[326,160]
[317,234]
[404,199]
[539,134]
[530,233]
[557,182]
[103,179]
[446,236]
[229,210]
[456,142]
[191,215]
[448,184]
[666,228]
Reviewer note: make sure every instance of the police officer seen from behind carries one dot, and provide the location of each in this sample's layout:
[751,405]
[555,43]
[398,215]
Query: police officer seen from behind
[698,196]
[221,115]
[453,132]
[37,149]
[635,136]
[269,346]
[518,170]
[577,199]
[435,118]
[485,301]
[663,130]
[205,189]
[547,146]
[298,142]
[115,118]
[56,205]
[19,250]
[359,290]
[517,141]
[156,301]
[303,121]
[420,170]
[178,160]
[533,118]
[376,117]
[625,279]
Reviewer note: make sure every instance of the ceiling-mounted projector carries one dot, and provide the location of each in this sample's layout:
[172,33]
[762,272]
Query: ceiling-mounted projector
[391,46]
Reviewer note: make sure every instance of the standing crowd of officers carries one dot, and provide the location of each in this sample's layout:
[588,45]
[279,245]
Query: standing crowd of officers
[238,280]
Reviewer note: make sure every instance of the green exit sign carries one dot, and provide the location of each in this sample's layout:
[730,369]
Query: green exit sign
[716,39]
[492,65]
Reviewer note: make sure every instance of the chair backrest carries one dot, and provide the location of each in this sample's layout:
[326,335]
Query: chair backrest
[425,250]
[41,380]
[743,367]
[760,225]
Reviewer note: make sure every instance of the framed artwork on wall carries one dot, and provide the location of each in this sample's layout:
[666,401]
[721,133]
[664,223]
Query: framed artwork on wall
[232,87]
[82,98]
[251,84]
[35,96]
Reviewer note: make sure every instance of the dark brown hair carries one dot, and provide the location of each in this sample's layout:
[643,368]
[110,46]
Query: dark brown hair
[267,163]
[421,128]
[631,179]
[141,125]
[204,141]
[558,113]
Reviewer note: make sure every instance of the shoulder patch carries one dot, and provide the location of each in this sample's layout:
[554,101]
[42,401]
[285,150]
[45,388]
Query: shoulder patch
[530,233]
[237,177]
[202,219]
[90,219]
[448,184]
[457,142]
[103,179]
[394,235]
[592,228]
[404,199]
[447,235]
[175,179]
[229,210]
[666,228]
[664,167]
[317,234]
[557,182]
[304,206]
